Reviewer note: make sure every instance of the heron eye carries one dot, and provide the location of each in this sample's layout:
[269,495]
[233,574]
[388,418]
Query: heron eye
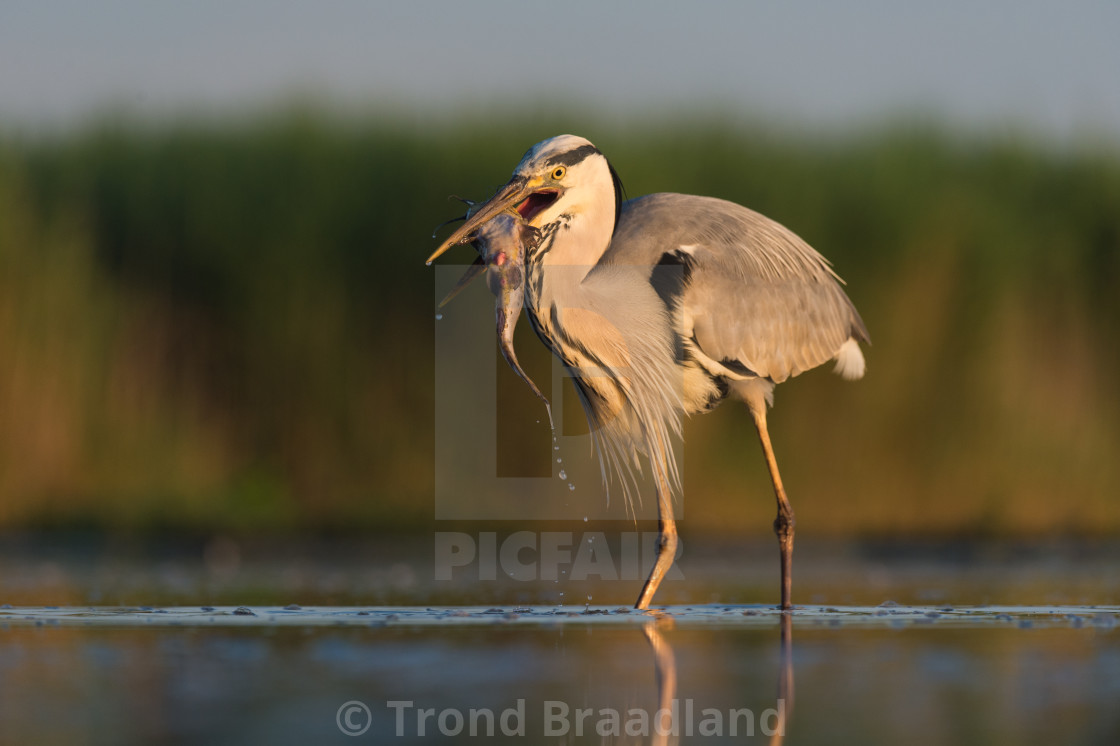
[559,173]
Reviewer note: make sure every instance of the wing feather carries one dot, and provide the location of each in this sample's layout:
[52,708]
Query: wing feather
[752,291]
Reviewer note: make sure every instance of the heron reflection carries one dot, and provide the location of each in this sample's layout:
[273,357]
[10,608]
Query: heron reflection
[667,725]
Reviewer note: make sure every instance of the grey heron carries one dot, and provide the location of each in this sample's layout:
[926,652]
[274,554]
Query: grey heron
[663,306]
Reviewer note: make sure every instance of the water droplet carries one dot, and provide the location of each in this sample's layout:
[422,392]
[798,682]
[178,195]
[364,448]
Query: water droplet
[555,448]
[572,488]
[563,474]
[439,317]
[559,460]
[585,519]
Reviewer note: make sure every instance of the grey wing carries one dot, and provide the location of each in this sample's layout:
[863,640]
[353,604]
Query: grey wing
[752,298]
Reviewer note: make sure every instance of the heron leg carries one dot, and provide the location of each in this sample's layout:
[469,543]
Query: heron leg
[666,540]
[784,523]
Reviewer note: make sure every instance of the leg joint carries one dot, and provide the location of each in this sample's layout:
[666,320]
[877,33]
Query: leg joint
[784,524]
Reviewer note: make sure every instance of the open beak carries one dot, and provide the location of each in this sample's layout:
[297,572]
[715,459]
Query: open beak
[521,195]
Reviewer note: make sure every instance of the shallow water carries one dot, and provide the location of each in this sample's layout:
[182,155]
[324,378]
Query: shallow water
[145,663]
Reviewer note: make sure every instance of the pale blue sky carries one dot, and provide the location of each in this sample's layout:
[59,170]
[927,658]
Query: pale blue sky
[1048,68]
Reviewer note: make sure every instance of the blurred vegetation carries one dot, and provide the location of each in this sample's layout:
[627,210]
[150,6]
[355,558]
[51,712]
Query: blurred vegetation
[229,326]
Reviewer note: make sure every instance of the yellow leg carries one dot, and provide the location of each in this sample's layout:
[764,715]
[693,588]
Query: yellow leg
[666,539]
[784,523]
[666,546]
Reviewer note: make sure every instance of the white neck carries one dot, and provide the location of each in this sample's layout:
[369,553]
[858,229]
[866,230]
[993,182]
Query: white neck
[577,232]
[586,215]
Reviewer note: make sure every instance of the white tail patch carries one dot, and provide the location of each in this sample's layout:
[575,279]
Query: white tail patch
[850,364]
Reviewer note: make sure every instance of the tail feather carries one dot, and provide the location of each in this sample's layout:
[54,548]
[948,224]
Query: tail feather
[850,364]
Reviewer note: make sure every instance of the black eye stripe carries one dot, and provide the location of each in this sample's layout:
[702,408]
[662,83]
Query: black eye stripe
[572,157]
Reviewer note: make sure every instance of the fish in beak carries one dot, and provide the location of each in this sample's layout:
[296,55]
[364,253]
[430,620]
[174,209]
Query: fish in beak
[501,244]
[522,197]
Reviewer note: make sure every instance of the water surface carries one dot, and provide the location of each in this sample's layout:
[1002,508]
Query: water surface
[896,648]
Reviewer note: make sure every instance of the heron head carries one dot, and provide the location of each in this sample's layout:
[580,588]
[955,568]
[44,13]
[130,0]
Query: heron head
[563,175]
